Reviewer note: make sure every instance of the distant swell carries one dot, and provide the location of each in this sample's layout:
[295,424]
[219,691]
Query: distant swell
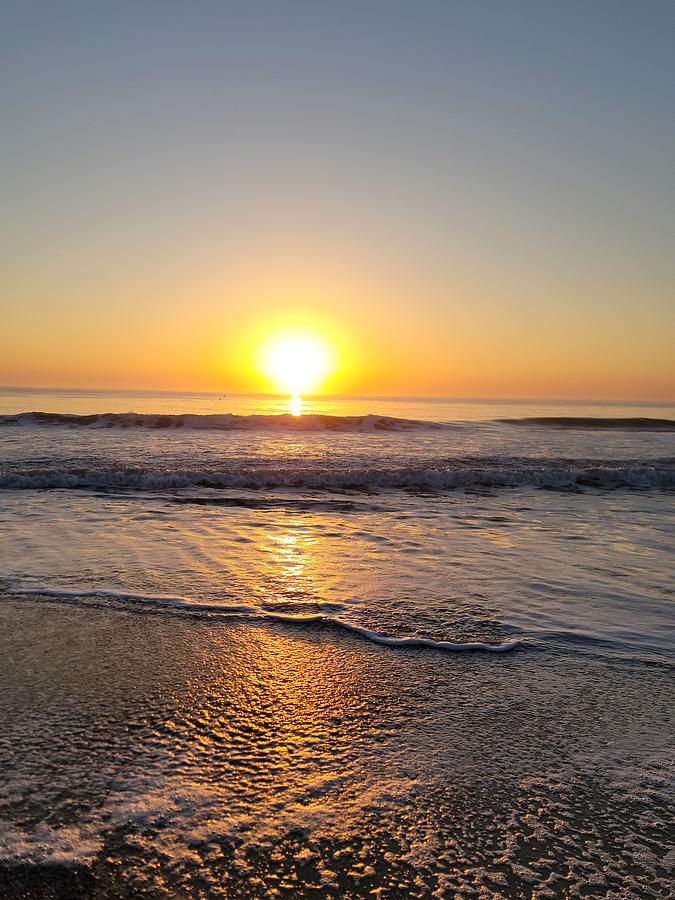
[221,422]
[254,612]
[595,423]
[457,473]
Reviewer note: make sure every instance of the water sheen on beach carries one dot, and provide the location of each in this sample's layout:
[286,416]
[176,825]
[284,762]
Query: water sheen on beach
[414,647]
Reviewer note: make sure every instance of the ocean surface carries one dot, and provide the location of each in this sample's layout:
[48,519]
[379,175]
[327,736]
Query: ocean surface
[335,633]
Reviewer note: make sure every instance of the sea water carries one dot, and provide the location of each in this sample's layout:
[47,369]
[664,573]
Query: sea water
[427,519]
[490,554]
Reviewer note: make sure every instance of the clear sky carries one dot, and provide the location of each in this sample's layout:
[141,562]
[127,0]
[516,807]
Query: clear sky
[466,198]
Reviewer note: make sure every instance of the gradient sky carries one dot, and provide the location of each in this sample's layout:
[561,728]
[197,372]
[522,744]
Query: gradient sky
[472,198]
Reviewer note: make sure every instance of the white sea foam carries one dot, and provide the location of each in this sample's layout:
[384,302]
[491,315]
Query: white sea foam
[67,845]
[450,474]
[221,422]
[255,612]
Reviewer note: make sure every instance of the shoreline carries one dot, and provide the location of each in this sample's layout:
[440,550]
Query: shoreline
[251,761]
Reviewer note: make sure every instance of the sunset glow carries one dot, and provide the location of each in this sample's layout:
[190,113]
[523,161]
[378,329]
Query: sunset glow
[295,362]
[295,406]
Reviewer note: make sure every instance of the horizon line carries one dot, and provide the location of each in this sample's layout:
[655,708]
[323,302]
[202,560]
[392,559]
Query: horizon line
[418,397]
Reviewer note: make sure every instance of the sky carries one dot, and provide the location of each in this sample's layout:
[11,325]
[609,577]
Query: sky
[464,198]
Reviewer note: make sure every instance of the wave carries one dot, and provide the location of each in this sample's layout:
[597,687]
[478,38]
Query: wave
[222,422]
[256,613]
[638,423]
[467,473]
[300,504]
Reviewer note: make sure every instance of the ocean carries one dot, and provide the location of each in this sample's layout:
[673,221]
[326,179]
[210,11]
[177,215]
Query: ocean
[388,647]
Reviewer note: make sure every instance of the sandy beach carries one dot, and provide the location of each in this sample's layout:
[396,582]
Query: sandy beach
[166,754]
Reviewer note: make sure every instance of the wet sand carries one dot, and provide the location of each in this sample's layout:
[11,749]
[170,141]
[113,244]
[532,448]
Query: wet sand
[164,754]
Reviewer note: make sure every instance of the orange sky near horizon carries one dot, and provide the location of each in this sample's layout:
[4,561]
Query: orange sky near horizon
[380,349]
[178,332]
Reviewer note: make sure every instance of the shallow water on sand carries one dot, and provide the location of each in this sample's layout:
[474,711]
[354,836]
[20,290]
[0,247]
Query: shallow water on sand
[536,566]
[165,755]
[238,650]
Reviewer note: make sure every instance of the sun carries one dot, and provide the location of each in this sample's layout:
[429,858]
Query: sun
[296,361]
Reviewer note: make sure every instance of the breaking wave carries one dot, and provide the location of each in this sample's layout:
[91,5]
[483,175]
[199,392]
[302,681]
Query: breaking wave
[429,476]
[595,423]
[221,422]
[255,612]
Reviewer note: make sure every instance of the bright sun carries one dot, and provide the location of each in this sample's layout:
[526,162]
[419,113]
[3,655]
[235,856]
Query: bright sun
[296,362]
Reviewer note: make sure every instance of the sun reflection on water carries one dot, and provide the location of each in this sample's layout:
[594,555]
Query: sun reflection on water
[291,555]
[289,551]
